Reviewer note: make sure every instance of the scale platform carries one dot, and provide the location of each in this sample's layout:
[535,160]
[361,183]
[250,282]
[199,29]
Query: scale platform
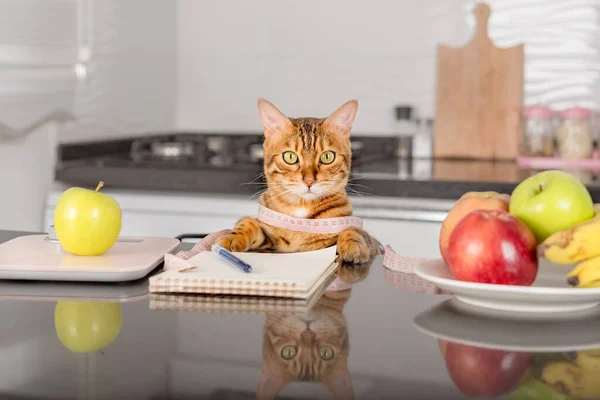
[41,258]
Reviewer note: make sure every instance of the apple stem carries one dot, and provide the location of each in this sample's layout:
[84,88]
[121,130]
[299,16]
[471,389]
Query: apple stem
[99,186]
[541,187]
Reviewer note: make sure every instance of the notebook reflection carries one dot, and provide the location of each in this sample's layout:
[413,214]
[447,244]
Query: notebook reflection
[313,346]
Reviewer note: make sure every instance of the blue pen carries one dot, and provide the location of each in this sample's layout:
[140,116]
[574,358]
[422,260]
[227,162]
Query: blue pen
[230,258]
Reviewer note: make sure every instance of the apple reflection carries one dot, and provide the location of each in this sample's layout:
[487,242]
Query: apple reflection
[86,326]
[484,372]
[478,371]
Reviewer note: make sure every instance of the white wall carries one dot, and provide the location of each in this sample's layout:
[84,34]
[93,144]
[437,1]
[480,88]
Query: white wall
[131,83]
[130,87]
[310,56]
[37,51]
[200,65]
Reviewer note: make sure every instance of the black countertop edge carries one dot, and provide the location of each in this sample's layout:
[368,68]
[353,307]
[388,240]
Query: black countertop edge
[434,189]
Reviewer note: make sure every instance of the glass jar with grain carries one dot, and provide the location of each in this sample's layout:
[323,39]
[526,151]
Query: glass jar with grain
[538,132]
[575,139]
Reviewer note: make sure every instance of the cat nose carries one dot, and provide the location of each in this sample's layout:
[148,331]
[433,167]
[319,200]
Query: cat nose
[308,334]
[309,182]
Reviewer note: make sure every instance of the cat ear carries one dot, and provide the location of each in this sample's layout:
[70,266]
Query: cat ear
[273,120]
[341,120]
[340,385]
[272,381]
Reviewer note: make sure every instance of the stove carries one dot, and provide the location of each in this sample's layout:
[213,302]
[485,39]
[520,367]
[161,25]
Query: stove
[218,151]
[195,162]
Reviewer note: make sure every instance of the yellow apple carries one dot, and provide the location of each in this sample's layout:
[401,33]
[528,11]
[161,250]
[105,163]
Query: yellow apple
[84,327]
[87,222]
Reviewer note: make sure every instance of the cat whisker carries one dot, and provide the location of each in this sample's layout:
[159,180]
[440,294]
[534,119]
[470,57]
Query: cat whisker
[361,194]
[274,185]
[357,193]
[359,185]
[332,193]
[358,176]
[253,181]
[349,185]
[281,194]
[258,193]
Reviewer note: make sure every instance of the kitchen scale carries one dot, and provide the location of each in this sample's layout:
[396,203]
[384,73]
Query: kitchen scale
[41,258]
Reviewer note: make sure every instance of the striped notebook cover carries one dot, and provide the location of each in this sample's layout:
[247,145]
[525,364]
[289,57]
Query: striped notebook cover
[293,275]
[237,304]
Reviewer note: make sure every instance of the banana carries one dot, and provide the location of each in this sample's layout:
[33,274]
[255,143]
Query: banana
[571,379]
[588,360]
[589,285]
[574,244]
[585,273]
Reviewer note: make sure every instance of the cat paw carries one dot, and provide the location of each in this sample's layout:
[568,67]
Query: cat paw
[353,273]
[352,251]
[233,243]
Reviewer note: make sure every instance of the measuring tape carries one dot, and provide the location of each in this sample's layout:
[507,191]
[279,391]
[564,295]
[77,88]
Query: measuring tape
[318,225]
[391,260]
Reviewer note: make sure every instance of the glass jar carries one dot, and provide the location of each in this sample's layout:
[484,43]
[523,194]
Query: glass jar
[574,134]
[538,132]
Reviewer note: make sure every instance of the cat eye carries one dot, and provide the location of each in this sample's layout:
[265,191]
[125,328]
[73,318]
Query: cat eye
[290,157]
[327,157]
[288,352]
[325,352]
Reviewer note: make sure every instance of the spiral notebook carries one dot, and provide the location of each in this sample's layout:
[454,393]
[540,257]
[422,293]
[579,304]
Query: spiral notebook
[290,275]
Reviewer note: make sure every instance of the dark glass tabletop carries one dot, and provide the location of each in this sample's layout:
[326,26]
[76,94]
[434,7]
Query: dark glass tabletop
[387,336]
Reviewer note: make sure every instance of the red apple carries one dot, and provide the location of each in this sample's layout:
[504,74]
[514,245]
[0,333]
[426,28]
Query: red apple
[470,201]
[485,372]
[492,246]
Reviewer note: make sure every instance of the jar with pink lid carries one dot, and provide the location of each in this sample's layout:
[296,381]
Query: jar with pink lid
[537,139]
[575,139]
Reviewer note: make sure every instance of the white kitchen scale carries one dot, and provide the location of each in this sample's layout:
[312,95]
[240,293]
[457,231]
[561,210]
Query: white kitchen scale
[41,258]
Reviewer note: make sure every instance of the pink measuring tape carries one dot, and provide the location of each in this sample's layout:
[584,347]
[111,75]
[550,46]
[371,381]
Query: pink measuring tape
[320,225]
[392,260]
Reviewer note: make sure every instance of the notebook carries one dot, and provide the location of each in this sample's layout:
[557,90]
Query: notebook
[237,304]
[290,275]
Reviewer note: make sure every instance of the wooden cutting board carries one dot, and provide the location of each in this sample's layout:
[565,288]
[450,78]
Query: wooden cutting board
[479,97]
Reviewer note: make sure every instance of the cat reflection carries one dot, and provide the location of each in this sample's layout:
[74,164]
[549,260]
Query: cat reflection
[312,347]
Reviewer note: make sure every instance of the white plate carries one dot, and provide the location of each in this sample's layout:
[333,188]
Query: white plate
[549,293]
[455,321]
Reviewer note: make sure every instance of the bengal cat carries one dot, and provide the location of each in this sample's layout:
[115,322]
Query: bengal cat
[314,348]
[306,165]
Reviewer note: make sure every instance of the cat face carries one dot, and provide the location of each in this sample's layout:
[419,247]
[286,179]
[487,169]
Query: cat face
[307,158]
[314,347]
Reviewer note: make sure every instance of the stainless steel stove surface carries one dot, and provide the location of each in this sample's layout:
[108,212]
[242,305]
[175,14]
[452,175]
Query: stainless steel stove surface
[190,161]
[197,150]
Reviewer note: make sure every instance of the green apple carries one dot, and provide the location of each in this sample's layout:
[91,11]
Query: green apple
[551,201]
[87,222]
[532,389]
[84,327]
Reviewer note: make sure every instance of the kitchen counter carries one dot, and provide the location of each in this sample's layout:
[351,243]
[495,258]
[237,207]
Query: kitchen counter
[441,179]
[390,321]
[375,172]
